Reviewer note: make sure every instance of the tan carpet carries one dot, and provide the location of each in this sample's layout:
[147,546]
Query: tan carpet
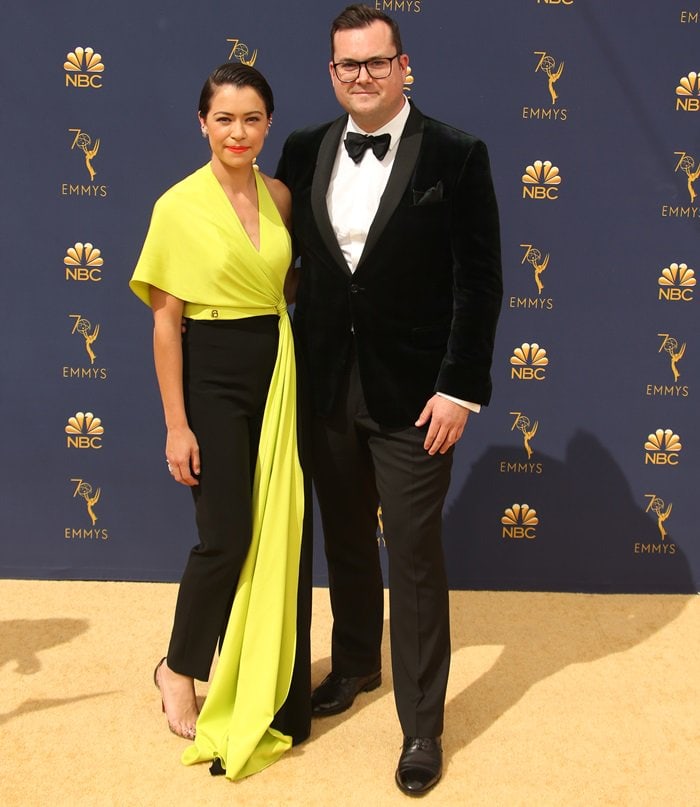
[554,699]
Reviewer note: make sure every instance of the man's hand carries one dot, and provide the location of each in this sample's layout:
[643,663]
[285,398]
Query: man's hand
[447,422]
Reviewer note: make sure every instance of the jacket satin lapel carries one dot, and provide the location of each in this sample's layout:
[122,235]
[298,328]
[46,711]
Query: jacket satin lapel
[319,186]
[404,163]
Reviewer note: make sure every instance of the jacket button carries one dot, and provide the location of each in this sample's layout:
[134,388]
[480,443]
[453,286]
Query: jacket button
[354,288]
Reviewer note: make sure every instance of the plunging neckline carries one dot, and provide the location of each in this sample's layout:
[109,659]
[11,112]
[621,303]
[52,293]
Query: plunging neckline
[257,179]
[240,221]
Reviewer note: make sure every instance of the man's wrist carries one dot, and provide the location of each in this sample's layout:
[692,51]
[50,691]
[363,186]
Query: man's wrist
[473,407]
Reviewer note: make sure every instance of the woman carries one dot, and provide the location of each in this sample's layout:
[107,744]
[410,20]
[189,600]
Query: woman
[217,253]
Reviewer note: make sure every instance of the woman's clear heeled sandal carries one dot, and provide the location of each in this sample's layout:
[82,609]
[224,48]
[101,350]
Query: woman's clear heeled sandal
[187,733]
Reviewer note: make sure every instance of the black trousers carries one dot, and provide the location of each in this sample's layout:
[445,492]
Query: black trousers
[356,464]
[227,369]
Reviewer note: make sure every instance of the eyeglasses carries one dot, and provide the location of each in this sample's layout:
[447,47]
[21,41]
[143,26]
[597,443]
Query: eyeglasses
[347,72]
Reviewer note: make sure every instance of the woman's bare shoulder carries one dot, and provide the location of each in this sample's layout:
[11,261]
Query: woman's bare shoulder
[280,195]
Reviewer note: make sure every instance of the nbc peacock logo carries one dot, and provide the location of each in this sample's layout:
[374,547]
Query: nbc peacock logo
[84,68]
[519,521]
[83,262]
[408,81]
[84,430]
[662,447]
[541,180]
[688,93]
[676,283]
[528,362]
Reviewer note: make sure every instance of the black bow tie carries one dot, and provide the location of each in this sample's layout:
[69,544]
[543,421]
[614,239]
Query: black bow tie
[357,144]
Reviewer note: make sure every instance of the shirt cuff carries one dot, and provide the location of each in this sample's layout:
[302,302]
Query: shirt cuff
[473,407]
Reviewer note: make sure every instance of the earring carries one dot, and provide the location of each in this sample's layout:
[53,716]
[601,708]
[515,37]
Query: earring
[204,133]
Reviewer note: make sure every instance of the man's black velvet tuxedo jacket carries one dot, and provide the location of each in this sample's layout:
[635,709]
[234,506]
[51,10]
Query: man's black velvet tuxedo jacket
[424,299]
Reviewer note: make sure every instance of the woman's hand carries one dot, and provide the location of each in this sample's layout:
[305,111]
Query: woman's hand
[182,455]
[181,448]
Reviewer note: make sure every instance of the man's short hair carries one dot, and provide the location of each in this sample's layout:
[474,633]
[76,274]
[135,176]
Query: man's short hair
[359,15]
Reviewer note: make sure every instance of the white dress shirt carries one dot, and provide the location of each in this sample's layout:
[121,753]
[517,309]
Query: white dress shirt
[354,192]
[356,188]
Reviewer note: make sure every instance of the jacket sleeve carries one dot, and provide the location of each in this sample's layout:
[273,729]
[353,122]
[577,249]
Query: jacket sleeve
[477,282]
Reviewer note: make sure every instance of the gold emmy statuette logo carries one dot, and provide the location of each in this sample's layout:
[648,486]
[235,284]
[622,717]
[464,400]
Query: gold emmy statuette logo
[522,424]
[539,264]
[83,262]
[519,521]
[534,257]
[83,141]
[662,448]
[528,362]
[239,51]
[83,68]
[84,490]
[686,163]
[547,64]
[381,540]
[687,93]
[675,353]
[83,326]
[541,180]
[657,505]
[676,282]
[84,430]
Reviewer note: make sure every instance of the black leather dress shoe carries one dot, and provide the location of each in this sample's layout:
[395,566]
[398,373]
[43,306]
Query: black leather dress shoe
[335,694]
[420,765]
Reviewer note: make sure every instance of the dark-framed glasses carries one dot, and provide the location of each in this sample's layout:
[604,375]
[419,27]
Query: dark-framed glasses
[349,71]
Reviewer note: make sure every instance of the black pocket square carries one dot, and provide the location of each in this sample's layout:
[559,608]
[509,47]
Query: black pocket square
[430,196]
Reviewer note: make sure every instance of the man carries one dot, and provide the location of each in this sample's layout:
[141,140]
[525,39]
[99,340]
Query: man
[400,289]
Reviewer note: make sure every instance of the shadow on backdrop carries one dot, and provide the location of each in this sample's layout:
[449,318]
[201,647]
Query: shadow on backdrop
[605,541]
[543,633]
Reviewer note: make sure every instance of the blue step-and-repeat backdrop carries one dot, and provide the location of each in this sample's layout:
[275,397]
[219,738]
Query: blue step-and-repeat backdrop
[582,474]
